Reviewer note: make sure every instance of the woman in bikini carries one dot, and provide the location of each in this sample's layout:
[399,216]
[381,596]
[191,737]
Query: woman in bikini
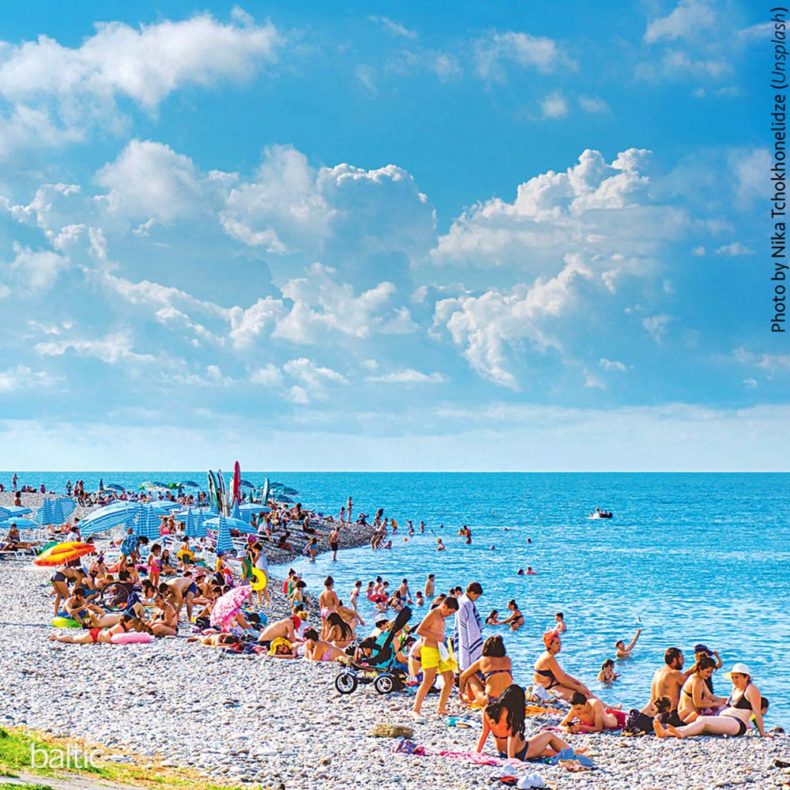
[550,675]
[316,649]
[94,635]
[338,632]
[504,719]
[489,676]
[744,702]
[695,697]
[61,579]
[515,619]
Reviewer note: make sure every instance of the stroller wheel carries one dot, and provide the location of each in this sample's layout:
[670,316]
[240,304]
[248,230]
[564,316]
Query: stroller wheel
[384,684]
[346,682]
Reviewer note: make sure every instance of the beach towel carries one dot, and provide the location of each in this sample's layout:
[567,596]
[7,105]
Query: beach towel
[468,636]
[473,757]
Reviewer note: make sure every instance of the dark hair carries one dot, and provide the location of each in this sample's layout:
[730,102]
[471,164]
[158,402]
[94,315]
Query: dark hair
[512,603]
[368,644]
[311,633]
[578,698]
[663,704]
[475,587]
[163,588]
[608,663]
[560,615]
[513,701]
[671,654]
[705,662]
[80,591]
[451,603]
[764,702]
[494,647]
[335,619]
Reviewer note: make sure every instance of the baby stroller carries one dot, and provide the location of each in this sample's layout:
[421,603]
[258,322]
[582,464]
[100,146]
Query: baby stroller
[380,669]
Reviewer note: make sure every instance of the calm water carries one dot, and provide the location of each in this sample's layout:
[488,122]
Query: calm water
[690,557]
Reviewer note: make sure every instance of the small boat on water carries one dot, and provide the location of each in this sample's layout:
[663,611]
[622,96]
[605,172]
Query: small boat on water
[598,513]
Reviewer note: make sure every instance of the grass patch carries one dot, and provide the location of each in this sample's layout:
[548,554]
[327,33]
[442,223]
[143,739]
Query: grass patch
[26,751]
[7,786]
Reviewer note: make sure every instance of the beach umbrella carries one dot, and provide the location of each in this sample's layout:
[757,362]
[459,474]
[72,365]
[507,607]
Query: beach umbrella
[283,498]
[109,516]
[148,524]
[227,606]
[290,491]
[228,522]
[55,511]
[190,484]
[195,524]
[163,505]
[63,553]
[235,512]
[19,523]
[224,541]
[115,487]
[247,484]
[9,511]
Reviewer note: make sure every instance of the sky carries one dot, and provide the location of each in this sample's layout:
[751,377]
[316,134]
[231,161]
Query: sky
[379,236]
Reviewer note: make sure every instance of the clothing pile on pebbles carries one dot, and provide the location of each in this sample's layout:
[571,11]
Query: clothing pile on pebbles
[279,722]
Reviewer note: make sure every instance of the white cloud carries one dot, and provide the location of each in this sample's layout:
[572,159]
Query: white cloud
[408,376]
[56,94]
[366,76]
[495,51]
[656,326]
[112,349]
[150,182]
[593,104]
[312,380]
[594,207]
[734,249]
[610,365]
[33,271]
[487,326]
[268,376]
[554,106]
[764,361]
[689,20]
[698,251]
[752,172]
[391,26]
[23,377]
[321,304]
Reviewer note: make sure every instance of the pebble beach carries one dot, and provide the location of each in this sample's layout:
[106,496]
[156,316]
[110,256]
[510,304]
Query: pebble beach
[280,724]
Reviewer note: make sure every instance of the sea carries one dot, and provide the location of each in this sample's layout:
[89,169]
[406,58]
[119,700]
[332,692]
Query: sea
[688,558]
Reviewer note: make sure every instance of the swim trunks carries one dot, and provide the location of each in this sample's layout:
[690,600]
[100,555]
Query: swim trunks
[431,659]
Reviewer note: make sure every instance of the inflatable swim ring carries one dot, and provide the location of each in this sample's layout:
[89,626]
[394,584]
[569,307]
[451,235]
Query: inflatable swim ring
[131,638]
[260,578]
[65,622]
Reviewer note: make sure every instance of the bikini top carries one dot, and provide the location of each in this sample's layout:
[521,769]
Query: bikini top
[487,675]
[742,703]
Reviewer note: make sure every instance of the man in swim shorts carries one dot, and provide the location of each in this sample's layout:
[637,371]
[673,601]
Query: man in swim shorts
[435,655]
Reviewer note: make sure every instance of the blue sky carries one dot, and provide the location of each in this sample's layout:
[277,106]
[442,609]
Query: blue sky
[378,236]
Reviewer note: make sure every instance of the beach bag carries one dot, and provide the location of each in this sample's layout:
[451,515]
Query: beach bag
[637,723]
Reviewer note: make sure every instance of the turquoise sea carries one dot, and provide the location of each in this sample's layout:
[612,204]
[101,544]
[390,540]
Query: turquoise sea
[689,557]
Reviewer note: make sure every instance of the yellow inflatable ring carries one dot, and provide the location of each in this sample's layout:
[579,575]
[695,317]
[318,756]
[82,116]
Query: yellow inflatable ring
[260,580]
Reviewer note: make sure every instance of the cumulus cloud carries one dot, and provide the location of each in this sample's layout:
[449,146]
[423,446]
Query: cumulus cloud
[320,304]
[23,377]
[496,51]
[61,92]
[487,327]
[689,20]
[594,207]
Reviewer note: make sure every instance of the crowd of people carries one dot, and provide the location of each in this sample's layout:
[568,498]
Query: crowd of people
[175,586]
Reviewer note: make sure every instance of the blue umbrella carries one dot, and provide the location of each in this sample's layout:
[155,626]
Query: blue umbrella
[163,505]
[231,523]
[247,484]
[148,524]
[8,511]
[115,515]
[55,511]
[224,541]
[235,512]
[115,487]
[19,523]
[190,484]
[195,526]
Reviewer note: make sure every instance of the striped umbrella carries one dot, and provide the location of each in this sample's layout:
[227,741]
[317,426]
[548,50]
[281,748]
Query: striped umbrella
[115,515]
[231,523]
[224,542]
[148,524]
[9,511]
[55,511]
[19,523]
[195,526]
[164,505]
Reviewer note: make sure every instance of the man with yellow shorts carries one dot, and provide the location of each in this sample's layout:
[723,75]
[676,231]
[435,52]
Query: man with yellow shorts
[435,655]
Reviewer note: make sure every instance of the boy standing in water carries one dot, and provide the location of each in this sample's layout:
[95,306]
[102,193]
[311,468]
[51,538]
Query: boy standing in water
[435,655]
